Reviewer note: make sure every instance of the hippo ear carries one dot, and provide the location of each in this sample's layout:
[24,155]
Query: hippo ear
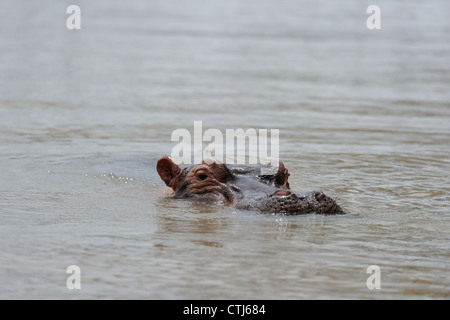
[169,172]
[278,179]
[281,178]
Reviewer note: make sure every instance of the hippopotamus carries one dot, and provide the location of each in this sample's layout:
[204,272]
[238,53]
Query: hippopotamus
[243,187]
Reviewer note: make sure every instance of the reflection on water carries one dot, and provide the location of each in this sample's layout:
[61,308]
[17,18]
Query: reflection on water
[84,116]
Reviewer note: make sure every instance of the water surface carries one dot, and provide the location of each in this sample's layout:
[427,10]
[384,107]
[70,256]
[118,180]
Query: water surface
[84,116]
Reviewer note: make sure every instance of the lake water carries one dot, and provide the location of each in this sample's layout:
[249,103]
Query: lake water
[363,115]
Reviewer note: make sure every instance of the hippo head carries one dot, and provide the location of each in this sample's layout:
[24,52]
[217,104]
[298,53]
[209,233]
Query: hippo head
[244,187]
[204,181]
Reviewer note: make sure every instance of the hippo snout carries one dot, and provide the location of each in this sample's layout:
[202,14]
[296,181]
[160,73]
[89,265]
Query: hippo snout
[284,201]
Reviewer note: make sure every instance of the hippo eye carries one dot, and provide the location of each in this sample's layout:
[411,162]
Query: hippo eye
[202,176]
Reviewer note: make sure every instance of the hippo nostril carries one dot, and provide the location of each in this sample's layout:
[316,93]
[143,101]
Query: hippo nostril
[282,193]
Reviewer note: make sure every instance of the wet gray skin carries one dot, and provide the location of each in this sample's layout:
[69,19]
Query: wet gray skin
[244,187]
